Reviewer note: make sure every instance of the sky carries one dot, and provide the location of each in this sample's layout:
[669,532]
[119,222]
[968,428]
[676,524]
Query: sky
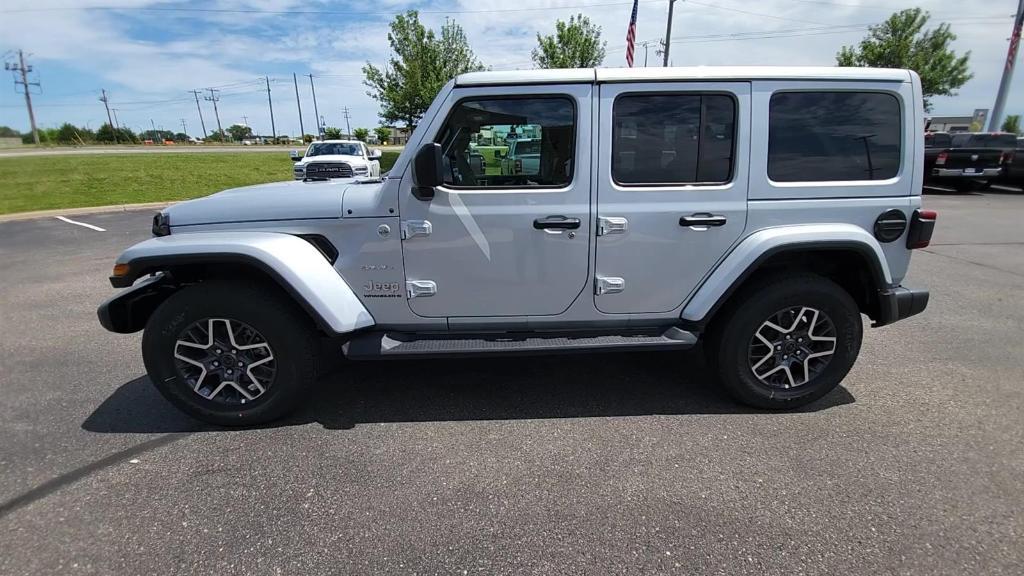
[149,55]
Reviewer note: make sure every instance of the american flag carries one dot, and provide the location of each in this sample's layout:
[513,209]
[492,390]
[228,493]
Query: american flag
[631,35]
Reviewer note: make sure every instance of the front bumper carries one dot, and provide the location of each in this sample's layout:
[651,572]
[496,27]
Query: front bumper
[895,304]
[127,311]
[959,173]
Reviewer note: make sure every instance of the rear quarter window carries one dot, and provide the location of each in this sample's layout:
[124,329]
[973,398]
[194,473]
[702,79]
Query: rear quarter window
[834,136]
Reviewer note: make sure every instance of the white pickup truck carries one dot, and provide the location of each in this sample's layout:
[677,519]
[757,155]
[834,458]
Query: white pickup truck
[336,159]
[523,157]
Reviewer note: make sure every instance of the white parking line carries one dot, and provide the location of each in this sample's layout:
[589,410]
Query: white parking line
[89,226]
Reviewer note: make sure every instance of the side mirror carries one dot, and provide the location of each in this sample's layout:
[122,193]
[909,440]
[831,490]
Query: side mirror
[295,156]
[375,154]
[427,170]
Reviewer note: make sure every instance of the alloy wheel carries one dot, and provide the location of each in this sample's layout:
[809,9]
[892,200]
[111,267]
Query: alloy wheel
[225,361]
[792,347]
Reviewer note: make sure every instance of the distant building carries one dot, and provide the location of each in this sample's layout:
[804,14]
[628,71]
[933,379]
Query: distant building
[399,135]
[948,123]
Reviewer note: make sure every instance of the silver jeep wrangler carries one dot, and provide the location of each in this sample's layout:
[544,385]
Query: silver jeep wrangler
[759,210]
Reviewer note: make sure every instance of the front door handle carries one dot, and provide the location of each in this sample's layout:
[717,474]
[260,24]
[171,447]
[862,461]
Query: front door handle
[556,223]
[702,219]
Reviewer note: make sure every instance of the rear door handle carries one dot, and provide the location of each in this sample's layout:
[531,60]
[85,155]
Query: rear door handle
[703,219]
[556,223]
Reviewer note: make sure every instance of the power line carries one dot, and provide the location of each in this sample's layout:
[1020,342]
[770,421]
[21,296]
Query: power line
[23,69]
[214,98]
[270,104]
[110,122]
[348,127]
[200,110]
[185,9]
[316,113]
[298,103]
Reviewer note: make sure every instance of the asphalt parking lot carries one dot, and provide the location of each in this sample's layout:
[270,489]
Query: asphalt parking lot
[624,463]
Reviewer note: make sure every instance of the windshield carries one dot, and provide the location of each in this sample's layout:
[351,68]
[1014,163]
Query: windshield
[334,148]
[1006,141]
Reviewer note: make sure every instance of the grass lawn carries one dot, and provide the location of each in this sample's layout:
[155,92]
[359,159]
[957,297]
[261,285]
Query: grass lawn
[45,182]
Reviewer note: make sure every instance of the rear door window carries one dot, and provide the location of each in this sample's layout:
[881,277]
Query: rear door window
[666,139]
[833,136]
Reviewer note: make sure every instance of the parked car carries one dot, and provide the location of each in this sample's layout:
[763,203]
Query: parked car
[766,233]
[336,159]
[523,157]
[1013,165]
[965,160]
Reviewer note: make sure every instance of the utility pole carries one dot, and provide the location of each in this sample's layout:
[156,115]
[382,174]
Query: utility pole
[348,127]
[116,121]
[214,98]
[316,113]
[270,103]
[110,121]
[645,53]
[668,31]
[23,69]
[298,103]
[184,129]
[200,110]
[1004,85]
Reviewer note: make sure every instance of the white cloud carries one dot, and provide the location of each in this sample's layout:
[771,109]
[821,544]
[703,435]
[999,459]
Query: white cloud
[147,56]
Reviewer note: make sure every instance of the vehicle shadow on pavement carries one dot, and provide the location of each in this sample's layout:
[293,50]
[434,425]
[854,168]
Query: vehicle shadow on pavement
[579,386]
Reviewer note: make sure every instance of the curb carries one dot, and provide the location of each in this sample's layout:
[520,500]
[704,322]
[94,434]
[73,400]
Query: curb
[84,210]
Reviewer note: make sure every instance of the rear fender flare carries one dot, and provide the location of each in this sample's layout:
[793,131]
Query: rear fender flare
[295,264]
[755,249]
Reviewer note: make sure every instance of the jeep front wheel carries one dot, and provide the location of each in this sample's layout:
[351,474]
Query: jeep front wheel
[788,341]
[230,353]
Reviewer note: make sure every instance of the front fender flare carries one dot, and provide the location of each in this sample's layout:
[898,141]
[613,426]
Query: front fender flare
[296,265]
[745,258]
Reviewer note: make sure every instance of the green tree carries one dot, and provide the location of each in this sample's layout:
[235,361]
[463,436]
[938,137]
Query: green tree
[8,132]
[217,136]
[105,134]
[332,133]
[239,132]
[383,133]
[421,64]
[71,134]
[361,134]
[1011,124]
[575,44]
[902,42]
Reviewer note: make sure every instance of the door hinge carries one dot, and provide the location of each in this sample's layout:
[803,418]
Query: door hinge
[420,288]
[611,225]
[608,285]
[413,228]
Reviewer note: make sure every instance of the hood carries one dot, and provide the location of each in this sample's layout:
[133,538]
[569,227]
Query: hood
[291,200]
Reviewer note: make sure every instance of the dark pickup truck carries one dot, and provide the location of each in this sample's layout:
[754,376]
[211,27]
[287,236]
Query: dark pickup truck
[965,160]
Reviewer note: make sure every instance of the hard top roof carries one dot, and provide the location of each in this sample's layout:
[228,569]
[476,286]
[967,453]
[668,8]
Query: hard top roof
[656,74]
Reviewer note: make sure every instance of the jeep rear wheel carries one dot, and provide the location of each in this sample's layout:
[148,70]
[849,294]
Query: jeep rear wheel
[230,353]
[787,342]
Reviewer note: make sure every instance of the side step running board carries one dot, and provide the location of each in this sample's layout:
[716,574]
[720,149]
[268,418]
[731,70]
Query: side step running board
[386,345]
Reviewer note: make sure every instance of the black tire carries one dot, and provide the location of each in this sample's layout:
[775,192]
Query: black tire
[729,346]
[289,333]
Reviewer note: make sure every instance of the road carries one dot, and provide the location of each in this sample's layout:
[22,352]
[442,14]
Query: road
[180,149]
[624,463]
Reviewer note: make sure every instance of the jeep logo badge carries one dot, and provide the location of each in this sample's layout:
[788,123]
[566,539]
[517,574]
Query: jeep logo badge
[974,157]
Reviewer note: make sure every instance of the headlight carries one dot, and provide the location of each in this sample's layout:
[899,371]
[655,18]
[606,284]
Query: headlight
[360,169]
